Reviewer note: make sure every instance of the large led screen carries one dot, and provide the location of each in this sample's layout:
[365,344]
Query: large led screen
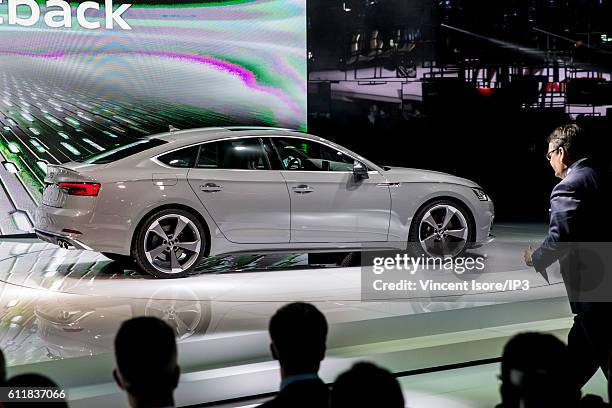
[81,78]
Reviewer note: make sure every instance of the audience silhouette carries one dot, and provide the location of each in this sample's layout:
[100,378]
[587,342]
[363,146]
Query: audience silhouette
[535,373]
[535,369]
[592,401]
[366,385]
[298,333]
[146,357]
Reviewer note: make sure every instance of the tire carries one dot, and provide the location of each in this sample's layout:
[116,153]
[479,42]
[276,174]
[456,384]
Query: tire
[122,259]
[436,241]
[157,239]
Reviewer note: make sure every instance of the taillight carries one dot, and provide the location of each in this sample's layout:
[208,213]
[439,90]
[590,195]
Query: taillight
[80,189]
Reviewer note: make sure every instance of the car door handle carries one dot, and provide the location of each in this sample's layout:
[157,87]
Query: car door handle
[211,188]
[302,189]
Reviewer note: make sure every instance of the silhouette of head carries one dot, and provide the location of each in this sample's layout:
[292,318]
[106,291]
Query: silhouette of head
[146,357]
[535,372]
[33,381]
[366,385]
[298,332]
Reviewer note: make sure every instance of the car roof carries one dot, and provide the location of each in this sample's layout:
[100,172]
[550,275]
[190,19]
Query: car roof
[185,137]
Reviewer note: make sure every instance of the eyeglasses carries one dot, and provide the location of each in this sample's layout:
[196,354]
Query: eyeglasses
[549,154]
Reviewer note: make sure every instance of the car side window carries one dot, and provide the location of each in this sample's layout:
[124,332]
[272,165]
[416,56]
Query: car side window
[236,154]
[309,155]
[180,158]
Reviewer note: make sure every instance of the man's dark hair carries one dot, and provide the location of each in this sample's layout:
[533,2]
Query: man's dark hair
[535,368]
[366,385]
[145,350]
[572,138]
[298,332]
[32,380]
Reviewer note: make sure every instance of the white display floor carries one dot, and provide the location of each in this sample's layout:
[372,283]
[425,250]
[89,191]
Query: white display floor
[61,309]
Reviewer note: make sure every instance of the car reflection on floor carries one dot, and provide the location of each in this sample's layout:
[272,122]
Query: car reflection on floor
[56,303]
[55,320]
[71,327]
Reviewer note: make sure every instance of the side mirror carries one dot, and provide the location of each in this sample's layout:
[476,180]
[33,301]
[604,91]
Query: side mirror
[360,171]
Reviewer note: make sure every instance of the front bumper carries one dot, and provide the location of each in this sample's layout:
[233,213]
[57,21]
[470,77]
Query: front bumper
[484,224]
[478,244]
[63,241]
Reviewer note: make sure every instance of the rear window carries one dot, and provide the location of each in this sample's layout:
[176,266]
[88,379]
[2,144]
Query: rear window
[122,152]
[180,158]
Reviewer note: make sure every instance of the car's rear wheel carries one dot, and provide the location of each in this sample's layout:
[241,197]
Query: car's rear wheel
[170,243]
[442,228]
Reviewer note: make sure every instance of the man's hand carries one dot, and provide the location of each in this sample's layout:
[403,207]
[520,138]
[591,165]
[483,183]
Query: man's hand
[527,256]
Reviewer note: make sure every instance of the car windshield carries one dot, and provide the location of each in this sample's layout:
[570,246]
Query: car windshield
[122,152]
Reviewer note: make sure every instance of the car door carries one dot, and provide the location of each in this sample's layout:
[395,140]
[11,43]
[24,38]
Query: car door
[328,203]
[247,199]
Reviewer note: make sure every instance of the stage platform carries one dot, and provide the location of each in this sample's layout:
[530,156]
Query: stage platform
[61,310]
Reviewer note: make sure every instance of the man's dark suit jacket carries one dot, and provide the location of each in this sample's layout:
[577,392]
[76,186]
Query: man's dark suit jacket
[579,216]
[301,394]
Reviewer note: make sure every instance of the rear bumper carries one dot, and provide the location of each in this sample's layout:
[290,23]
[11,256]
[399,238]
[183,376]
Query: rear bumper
[98,232]
[64,241]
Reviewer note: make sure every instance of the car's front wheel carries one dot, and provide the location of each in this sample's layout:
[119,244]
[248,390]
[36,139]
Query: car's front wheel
[440,229]
[170,243]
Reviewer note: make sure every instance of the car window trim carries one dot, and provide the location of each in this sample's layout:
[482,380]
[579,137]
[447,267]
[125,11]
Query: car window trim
[199,146]
[279,161]
[263,149]
[324,144]
[176,150]
[371,166]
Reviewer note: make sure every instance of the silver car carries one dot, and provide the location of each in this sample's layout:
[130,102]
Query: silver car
[171,199]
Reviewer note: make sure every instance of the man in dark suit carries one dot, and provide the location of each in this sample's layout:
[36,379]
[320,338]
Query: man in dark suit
[578,221]
[298,332]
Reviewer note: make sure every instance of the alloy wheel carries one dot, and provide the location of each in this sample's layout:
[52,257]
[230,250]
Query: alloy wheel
[443,231]
[172,243]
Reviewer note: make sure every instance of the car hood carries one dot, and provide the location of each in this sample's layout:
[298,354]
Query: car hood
[408,175]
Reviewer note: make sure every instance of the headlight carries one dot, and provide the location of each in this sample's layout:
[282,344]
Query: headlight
[482,196]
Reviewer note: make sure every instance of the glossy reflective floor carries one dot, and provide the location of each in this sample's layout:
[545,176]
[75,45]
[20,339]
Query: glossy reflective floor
[470,387]
[60,305]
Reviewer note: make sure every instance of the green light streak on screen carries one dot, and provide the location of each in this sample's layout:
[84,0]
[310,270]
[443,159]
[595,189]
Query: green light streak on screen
[28,179]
